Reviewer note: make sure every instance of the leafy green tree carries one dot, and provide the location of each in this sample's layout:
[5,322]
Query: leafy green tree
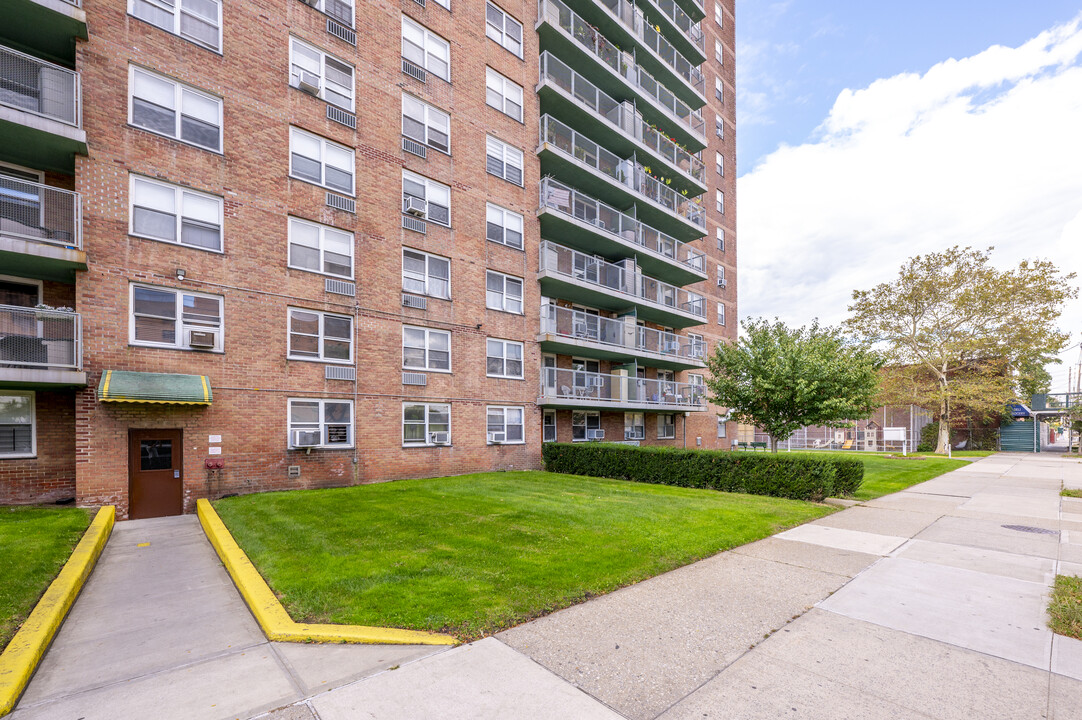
[781,379]
[958,331]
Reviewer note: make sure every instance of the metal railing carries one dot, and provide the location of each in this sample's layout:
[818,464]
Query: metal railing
[39,212]
[33,338]
[565,199]
[625,172]
[624,279]
[622,115]
[683,23]
[564,384]
[619,333]
[39,87]
[632,18]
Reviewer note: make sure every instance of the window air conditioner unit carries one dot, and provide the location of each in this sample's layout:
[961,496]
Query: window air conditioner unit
[204,339]
[439,438]
[595,434]
[415,206]
[305,438]
[308,83]
[497,437]
[581,329]
[721,283]
[632,435]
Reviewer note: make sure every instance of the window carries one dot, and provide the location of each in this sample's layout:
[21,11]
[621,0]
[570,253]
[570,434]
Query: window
[503,292]
[718,17]
[504,359]
[721,426]
[197,20]
[508,421]
[320,248]
[504,29]
[162,317]
[322,336]
[20,292]
[320,161]
[719,92]
[170,213]
[311,66]
[426,124]
[340,10]
[426,49]
[696,380]
[503,94]
[634,426]
[719,163]
[582,422]
[175,110]
[721,276]
[503,161]
[421,420]
[424,349]
[504,226]
[719,52]
[548,426]
[426,274]
[698,348]
[719,127]
[17,429]
[333,419]
[721,313]
[719,199]
[435,196]
[720,232]
[666,427]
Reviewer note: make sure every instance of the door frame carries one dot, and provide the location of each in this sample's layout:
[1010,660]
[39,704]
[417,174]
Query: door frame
[134,461]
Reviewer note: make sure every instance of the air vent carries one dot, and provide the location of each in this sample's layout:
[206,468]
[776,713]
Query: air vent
[415,224]
[420,2]
[341,117]
[412,146]
[340,287]
[414,301]
[340,372]
[412,378]
[341,203]
[293,471]
[341,32]
[414,71]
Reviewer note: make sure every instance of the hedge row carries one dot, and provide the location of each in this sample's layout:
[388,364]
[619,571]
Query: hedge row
[799,477]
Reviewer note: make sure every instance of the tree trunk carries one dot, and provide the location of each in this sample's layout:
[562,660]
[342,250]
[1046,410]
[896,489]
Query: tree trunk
[944,423]
[773,444]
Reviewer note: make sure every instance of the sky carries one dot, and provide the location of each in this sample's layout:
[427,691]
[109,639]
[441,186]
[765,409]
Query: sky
[870,132]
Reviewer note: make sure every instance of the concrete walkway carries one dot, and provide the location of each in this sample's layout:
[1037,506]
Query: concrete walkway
[929,603]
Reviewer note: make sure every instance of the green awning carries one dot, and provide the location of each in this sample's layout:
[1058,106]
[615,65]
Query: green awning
[142,387]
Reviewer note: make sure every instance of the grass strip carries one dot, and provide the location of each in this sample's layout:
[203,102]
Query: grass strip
[1065,609]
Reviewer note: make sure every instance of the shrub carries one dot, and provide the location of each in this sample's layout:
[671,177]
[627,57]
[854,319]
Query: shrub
[848,476]
[785,476]
[929,437]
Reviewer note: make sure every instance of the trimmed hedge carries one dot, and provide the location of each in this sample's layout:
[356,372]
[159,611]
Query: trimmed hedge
[800,477]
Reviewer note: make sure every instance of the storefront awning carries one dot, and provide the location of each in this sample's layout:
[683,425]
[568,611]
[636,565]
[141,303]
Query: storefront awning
[141,387]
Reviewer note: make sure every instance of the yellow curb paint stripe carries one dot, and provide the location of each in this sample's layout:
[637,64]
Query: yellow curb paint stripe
[24,652]
[273,618]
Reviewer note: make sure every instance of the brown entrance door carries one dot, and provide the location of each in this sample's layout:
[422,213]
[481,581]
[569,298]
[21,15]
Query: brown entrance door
[155,475]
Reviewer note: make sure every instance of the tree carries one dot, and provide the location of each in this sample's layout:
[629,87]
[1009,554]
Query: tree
[961,332]
[781,379]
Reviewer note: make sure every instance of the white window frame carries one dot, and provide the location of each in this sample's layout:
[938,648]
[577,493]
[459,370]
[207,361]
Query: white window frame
[427,367]
[721,313]
[321,335]
[719,200]
[721,273]
[720,234]
[545,425]
[497,216]
[719,163]
[178,319]
[427,275]
[507,156]
[506,410]
[446,4]
[323,423]
[719,16]
[504,344]
[499,34]
[428,112]
[428,185]
[719,90]
[505,89]
[719,52]
[632,417]
[696,339]
[662,426]
[180,194]
[429,41]
[33,424]
[696,379]
[324,81]
[427,423]
[177,8]
[324,143]
[322,231]
[504,295]
[719,126]
[587,426]
[179,91]
[722,429]
[321,6]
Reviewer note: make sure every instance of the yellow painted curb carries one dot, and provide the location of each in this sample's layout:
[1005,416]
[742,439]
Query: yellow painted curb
[272,617]
[26,649]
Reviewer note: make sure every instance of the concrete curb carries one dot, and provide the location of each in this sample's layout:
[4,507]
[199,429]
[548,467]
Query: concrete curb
[24,652]
[272,617]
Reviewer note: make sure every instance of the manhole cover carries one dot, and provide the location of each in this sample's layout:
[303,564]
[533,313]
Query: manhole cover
[1031,529]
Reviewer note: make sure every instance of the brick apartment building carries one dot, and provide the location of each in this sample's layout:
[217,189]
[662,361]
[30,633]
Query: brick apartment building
[249,245]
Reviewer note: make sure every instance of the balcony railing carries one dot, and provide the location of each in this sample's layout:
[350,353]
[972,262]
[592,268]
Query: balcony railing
[622,279]
[39,87]
[39,212]
[620,114]
[565,199]
[628,173]
[47,339]
[616,333]
[683,23]
[586,387]
[632,18]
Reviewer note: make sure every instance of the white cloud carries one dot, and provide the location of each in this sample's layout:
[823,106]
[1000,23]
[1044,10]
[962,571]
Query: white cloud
[986,150]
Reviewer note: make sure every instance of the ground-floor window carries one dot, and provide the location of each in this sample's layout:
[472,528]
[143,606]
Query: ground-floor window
[17,434]
[586,425]
[548,426]
[506,424]
[426,424]
[721,426]
[320,423]
[666,426]
[634,426]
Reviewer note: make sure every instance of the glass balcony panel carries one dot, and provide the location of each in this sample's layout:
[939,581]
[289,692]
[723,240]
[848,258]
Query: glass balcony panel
[581,387]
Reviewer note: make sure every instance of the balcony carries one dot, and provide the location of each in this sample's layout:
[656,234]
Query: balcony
[40,231]
[568,36]
[572,157]
[684,33]
[693,8]
[599,391]
[40,114]
[617,125]
[618,287]
[40,348]
[593,227]
[572,332]
[47,28]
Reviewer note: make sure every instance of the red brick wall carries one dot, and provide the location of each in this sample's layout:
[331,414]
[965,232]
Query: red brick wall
[50,476]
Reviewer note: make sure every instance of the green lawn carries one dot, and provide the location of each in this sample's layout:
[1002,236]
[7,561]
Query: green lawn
[1065,607]
[884,475]
[35,542]
[473,554]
